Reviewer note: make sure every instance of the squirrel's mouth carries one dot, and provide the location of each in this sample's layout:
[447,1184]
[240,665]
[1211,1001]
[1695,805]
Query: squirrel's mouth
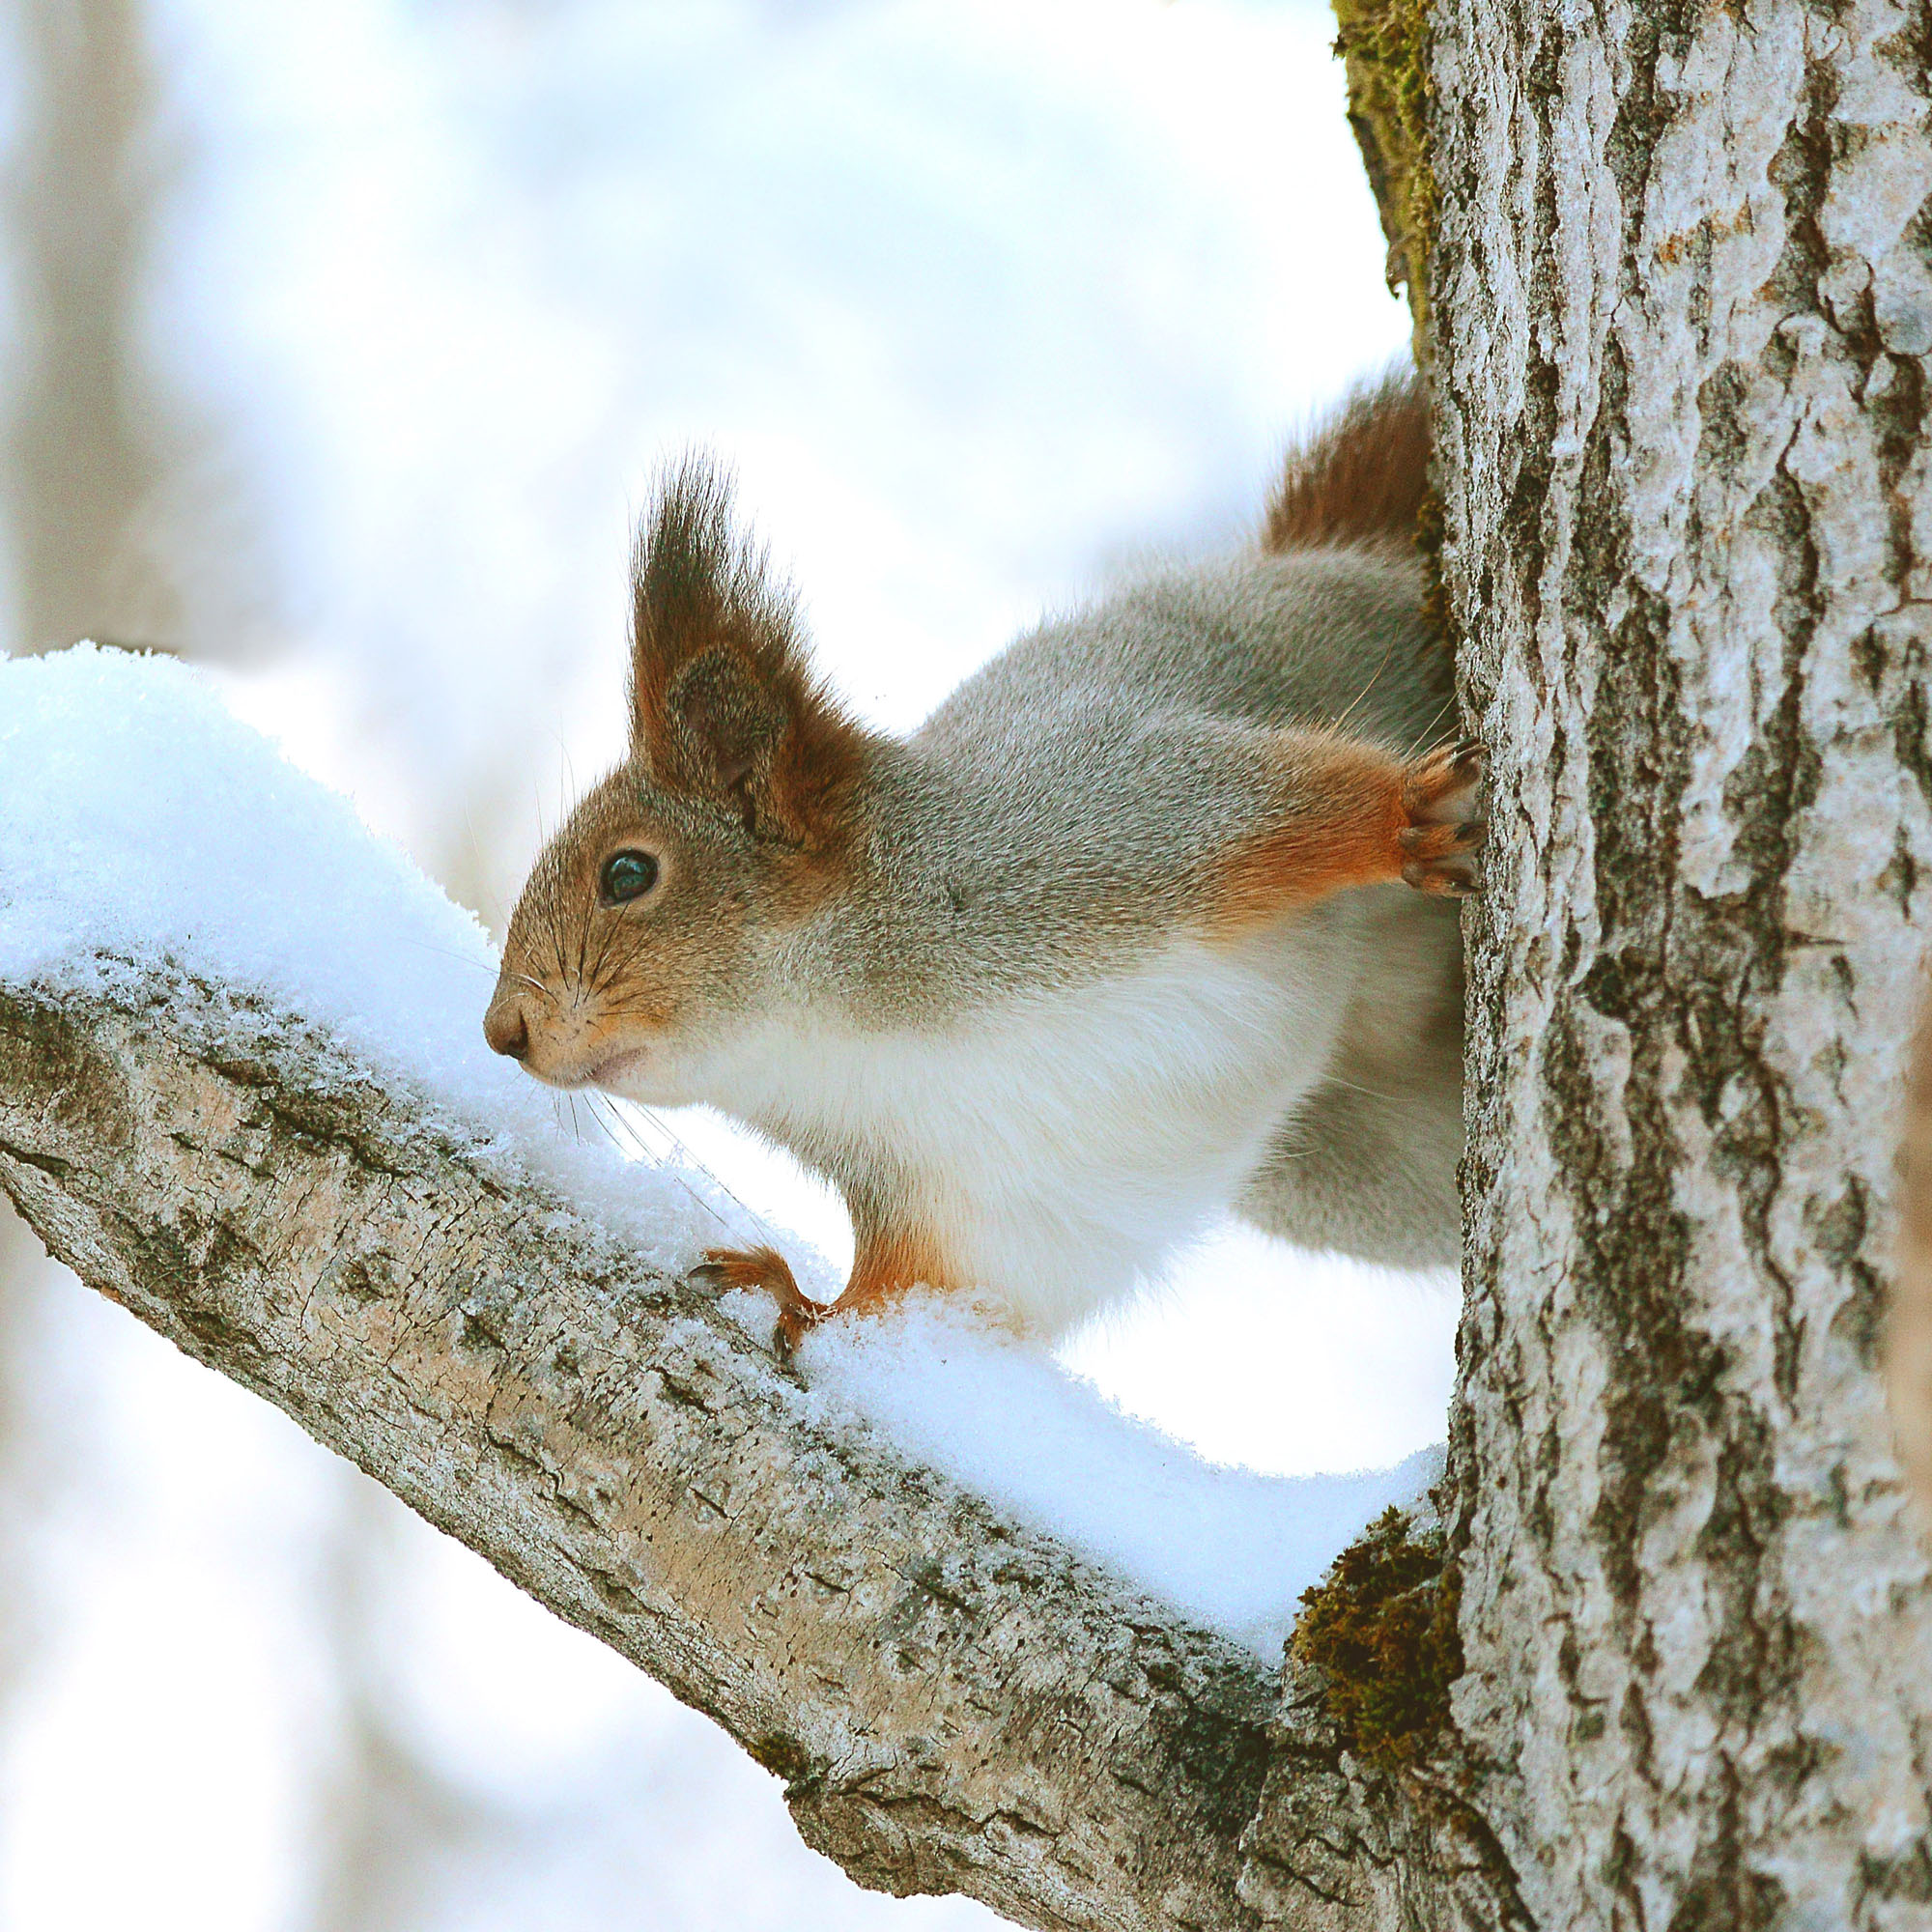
[612,1067]
[597,1073]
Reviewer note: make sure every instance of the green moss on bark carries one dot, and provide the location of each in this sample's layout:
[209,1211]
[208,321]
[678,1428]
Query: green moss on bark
[1382,1629]
[1384,44]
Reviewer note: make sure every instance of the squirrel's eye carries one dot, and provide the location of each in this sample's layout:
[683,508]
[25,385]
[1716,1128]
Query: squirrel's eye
[627,875]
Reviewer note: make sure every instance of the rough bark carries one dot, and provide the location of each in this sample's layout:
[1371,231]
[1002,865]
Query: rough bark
[957,1703]
[1683,300]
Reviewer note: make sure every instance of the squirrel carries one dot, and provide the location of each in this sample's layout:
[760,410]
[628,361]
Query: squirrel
[1153,919]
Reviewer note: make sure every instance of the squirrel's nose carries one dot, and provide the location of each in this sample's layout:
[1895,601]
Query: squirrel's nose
[505,1029]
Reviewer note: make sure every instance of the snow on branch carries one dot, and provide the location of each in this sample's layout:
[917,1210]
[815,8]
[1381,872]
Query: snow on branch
[242,1092]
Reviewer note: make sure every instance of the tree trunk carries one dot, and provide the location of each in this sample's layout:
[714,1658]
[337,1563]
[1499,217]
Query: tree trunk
[1683,298]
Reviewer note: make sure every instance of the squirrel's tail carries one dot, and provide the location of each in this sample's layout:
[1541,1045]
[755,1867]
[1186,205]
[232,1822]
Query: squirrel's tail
[1361,477]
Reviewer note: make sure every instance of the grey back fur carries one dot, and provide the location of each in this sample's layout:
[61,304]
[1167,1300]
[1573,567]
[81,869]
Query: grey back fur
[1036,830]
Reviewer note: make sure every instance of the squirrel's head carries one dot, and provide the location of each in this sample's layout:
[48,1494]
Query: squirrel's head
[652,927]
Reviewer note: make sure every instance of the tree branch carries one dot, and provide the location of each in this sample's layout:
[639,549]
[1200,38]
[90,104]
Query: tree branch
[956,1703]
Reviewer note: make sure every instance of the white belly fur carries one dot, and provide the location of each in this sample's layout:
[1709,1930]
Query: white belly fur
[1059,1147]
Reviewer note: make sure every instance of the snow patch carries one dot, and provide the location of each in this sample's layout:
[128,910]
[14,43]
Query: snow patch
[1229,1549]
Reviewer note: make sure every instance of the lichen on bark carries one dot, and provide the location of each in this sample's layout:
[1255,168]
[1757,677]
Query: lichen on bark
[1385,47]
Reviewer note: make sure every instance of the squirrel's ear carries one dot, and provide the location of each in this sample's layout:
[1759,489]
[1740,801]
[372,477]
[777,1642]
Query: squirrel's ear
[724,704]
[724,710]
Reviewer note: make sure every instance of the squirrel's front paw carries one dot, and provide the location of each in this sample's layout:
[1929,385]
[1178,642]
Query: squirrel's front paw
[766,1268]
[1442,796]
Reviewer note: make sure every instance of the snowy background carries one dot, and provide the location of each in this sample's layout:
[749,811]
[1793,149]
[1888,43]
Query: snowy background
[336,348]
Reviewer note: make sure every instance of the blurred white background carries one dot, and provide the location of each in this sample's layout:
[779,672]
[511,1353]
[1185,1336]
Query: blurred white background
[337,347]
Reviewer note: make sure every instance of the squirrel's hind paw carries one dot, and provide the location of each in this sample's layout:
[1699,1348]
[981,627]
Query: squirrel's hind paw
[766,1268]
[1442,797]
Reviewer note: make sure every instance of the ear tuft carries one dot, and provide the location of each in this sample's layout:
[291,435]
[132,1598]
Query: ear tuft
[724,704]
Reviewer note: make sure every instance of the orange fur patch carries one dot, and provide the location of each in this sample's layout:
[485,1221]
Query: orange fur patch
[1342,817]
[888,1261]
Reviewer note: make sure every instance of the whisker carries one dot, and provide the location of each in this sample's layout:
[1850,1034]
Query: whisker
[461,959]
[495,908]
[1355,1087]
[685,1153]
[583,945]
[658,1121]
[1361,697]
[636,1143]
[1429,731]
[594,980]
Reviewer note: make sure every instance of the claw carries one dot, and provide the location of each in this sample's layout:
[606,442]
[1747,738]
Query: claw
[766,1268]
[794,1325]
[1443,798]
